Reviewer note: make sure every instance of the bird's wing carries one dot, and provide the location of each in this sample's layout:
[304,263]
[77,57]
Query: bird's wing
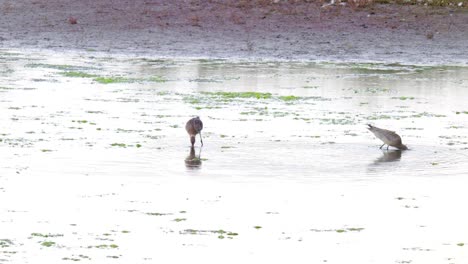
[392,135]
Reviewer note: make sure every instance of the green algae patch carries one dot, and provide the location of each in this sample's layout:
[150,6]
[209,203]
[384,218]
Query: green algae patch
[158,79]
[340,230]
[109,80]
[289,98]
[77,74]
[233,95]
[78,258]
[47,243]
[221,234]
[157,214]
[355,229]
[351,229]
[122,145]
[205,80]
[4,243]
[257,227]
[104,246]
[63,67]
[80,121]
[71,259]
[45,235]
[403,98]
[191,231]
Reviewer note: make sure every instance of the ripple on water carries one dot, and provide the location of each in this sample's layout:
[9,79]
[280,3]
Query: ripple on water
[300,162]
[420,161]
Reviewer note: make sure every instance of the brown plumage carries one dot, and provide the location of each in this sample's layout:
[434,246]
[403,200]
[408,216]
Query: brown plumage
[389,138]
[194,126]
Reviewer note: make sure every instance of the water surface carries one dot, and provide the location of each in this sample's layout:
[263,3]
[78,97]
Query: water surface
[96,165]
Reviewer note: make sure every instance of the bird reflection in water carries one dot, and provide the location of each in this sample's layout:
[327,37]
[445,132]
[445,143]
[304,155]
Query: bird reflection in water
[389,156]
[193,161]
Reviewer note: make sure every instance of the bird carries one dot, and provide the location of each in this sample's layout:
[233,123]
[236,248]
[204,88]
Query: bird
[390,138]
[194,126]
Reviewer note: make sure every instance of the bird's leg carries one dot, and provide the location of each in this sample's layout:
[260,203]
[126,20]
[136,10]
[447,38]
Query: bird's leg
[192,152]
[388,147]
[201,140]
[382,146]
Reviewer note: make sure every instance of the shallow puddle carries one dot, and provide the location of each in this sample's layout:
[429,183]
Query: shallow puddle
[96,164]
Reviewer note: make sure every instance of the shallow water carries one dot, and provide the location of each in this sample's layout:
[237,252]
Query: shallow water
[95,158]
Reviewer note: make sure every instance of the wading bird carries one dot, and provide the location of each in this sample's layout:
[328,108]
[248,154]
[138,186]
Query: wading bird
[389,138]
[194,126]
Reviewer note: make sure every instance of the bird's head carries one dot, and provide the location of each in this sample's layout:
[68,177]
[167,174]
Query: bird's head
[403,147]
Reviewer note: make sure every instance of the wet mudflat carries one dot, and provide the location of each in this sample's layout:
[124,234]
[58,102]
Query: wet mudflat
[96,165]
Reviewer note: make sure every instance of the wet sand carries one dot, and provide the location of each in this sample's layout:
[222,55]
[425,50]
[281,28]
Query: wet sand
[236,29]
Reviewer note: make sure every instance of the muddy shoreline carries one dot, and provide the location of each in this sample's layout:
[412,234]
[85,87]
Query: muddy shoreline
[227,29]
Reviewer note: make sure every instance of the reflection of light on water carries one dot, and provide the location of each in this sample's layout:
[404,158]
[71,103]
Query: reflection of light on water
[193,161]
[419,161]
[389,156]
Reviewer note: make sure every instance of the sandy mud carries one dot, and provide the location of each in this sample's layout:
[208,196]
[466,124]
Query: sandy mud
[237,29]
